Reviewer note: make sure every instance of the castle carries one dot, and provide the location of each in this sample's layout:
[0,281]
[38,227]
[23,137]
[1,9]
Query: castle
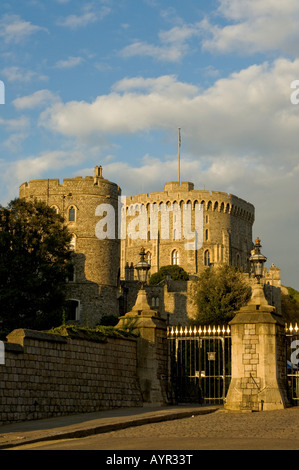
[179,225]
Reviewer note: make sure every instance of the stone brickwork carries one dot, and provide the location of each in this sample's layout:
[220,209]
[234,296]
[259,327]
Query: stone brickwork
[250,359]
[226,231]
[47,375]
[258,357]
[96,261]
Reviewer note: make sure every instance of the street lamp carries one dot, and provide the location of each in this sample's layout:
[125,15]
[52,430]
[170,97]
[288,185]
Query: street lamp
[257,261]
[142,268]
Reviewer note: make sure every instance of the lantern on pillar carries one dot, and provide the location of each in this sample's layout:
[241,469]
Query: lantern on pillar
[142,268]
[257,261]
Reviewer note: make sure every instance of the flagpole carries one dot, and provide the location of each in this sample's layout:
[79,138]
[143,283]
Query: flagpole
[179,157]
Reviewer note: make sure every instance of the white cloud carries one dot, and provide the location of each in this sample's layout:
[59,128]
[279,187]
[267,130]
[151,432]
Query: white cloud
[18,74]
[12,175]
[88,16]
[166,84]
[14,142]
[36,99]
[32,167]
[15,124]
[249,111]
[78,21]
[17,132]
[172,48]
[13,29]
[69,62]
[255,26]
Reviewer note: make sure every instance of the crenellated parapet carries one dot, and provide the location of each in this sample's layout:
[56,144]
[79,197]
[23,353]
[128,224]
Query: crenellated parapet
[224,236]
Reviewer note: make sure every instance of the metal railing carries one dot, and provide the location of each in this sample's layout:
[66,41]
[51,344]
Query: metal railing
[200,363]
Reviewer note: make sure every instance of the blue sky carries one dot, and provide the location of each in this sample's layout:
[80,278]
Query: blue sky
[109,82]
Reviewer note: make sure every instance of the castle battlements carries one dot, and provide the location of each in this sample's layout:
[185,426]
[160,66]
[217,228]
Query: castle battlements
[184,193]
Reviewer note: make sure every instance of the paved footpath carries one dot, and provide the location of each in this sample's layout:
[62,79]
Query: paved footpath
[82,425]
[173,428]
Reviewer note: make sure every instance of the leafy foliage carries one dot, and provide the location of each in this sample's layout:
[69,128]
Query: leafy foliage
[34,262]
[99,333]
[290,305]
[176,272]
[294,294]
[221,291]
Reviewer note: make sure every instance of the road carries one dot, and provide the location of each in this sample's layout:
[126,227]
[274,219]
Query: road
[268,430]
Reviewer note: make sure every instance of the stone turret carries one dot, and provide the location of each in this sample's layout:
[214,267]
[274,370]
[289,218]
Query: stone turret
[96,261]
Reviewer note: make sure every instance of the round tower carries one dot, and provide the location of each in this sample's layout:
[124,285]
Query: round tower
[85,203]
[188,227]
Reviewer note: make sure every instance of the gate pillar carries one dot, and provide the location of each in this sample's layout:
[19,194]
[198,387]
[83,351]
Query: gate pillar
[152,350]
[258,357]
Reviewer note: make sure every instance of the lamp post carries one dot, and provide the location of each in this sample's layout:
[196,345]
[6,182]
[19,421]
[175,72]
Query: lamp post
[142,268]
[257,261]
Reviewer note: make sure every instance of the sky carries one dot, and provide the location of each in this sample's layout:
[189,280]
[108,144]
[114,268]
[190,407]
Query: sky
[109,82]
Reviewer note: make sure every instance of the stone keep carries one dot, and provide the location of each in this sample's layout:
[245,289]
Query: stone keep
[96,261]
[226,231]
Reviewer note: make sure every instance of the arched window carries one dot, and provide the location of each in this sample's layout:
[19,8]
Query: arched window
[175,257]
[207,260]
[72,214]
[148,257]
[55,209]
[207,234]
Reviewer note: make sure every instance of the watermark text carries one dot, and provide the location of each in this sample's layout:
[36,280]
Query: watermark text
[295,354]
[138,222]
[2,92]
[295,94]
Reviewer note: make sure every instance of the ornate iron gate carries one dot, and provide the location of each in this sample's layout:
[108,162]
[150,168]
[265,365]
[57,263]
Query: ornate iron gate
[200,364]
[292,335]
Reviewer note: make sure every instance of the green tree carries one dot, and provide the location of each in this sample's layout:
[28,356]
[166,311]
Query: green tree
[176,272]
[34,263]
[290,304]
[220,292]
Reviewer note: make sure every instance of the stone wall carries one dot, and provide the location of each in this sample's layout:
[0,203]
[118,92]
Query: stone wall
[47,375]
